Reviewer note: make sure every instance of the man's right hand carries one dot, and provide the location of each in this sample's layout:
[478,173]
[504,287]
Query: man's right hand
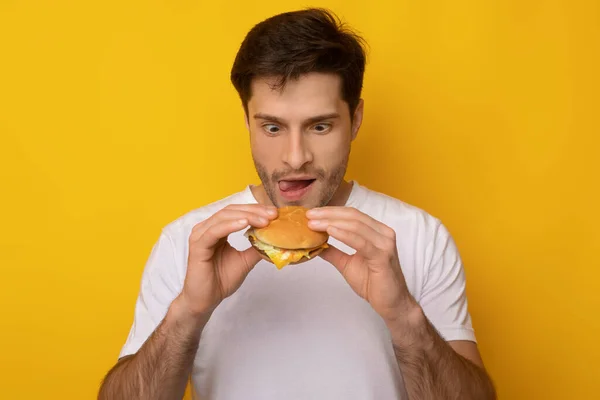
[215,269]
[161,367]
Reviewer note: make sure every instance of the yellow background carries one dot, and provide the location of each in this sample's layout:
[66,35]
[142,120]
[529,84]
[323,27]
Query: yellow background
[116,117]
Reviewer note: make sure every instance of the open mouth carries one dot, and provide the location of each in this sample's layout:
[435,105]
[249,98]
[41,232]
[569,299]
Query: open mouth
[295,189]
[290,186]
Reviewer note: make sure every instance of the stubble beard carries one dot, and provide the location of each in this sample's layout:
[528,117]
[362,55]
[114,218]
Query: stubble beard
[331,181]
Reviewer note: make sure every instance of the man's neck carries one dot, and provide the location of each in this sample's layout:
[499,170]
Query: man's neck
[340,197]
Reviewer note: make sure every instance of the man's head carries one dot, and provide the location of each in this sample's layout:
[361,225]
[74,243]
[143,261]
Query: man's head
[299,76]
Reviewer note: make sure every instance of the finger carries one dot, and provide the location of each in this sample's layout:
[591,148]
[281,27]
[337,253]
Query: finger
[258,208]
[350,213]
[335,257]
[255,219]
[355,227]
[220,230]
[358,243]
[251,257]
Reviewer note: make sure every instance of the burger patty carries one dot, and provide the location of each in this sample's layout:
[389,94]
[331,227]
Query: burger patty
[282,257]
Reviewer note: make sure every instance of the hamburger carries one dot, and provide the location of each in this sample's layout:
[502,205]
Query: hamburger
[288,239]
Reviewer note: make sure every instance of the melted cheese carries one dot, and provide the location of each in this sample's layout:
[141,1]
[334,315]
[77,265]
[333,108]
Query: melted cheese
[278,256]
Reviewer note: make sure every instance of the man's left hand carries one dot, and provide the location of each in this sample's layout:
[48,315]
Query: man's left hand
[374,270]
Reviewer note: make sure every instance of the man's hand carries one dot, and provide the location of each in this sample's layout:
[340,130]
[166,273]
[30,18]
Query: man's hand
[161,367]
[429,365]
[374,270]
[215,269]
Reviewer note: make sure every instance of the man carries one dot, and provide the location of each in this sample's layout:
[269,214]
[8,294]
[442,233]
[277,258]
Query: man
[381,314]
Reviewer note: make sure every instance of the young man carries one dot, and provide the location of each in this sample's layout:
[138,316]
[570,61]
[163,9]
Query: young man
[381,314]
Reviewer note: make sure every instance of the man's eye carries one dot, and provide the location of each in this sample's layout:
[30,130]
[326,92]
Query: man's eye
[322,128]
[271,128]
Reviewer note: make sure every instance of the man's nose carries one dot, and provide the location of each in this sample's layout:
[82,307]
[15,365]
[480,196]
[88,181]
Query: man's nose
[297,152]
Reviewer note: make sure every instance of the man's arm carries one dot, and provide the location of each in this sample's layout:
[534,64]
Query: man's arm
[215,270]
[431,367]
[161,367]
[435,369]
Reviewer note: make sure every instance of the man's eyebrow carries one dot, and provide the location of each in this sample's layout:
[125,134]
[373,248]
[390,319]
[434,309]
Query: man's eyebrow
[268,117]
[322,117]
[309,121]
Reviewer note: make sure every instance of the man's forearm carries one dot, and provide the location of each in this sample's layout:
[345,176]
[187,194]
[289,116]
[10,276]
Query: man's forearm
[431,368]
[160,369]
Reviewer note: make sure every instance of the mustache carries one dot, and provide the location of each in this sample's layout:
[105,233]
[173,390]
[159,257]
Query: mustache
[316,172]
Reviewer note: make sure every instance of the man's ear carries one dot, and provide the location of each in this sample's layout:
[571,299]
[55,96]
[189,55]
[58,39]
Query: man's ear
[357,118]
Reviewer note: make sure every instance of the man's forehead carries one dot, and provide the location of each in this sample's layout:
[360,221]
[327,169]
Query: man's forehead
[308,95]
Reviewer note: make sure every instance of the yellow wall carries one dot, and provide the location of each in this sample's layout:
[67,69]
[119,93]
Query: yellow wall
[117,116]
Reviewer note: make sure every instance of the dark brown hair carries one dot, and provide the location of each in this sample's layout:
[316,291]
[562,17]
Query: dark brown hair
[291,44]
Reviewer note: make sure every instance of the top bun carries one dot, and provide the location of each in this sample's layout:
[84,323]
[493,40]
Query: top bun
[290,230]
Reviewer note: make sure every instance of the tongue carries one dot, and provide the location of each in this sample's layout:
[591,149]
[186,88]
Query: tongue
[290,186]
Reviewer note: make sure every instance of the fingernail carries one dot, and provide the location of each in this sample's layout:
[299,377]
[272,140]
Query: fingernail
[312,212]
[261,220]
[315,223]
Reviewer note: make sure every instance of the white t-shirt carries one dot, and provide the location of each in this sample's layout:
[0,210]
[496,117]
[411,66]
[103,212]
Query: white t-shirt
[301,332]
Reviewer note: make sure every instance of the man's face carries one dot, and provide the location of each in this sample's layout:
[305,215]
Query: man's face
[300,138]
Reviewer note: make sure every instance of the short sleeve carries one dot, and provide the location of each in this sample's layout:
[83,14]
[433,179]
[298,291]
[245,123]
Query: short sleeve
[443,298]
[159,287]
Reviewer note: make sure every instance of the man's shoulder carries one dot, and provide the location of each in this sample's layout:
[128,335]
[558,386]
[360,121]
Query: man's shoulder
[184,223]
[393,210]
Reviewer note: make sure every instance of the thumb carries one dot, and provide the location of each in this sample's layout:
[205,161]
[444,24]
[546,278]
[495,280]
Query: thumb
[335,257]
[251,257]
